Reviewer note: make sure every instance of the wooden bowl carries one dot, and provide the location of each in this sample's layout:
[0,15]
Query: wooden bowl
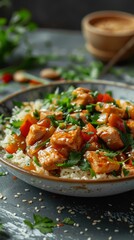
[106,32]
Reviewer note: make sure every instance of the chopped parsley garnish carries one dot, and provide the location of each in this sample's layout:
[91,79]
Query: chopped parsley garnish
[15,127]
[2,119]
[125,171]
[94,117]
[36,114]
[18,104]
[73,159]
[8,156]
[127,139]
[36,161]
[54,122]
[16,123]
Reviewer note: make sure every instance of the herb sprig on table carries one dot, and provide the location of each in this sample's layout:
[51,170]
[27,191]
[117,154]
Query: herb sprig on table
[45,224]
[13,31]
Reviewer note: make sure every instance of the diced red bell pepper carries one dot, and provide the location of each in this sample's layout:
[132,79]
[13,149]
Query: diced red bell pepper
[88,132]
[25,127]
[28,121]
[104,97]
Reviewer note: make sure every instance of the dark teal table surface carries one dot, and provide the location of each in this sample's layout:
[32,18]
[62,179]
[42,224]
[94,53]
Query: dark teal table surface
[103,218]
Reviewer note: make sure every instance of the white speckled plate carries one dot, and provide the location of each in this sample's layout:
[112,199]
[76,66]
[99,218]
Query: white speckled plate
[83,188]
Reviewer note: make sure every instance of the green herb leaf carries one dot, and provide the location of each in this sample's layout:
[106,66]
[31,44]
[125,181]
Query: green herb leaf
[74,158]
[28,223]
[36,114]
[36,161]
[16,123]
[43,224]
[68,221]
[18,104]
[125,171]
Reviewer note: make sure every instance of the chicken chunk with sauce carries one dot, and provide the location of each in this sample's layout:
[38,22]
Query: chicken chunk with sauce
[127,106]
[82,96]
[37,132]
[101,163]
[49,158]
[69,137]
[109,108]
[111,137]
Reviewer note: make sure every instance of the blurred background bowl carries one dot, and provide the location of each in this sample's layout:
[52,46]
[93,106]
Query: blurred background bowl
[106,32]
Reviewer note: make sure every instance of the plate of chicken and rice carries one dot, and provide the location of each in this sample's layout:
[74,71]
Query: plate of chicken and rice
[74,138]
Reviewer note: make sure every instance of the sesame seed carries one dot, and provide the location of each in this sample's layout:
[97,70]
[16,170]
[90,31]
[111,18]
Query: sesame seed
[81,232]
[16,196]
[24,200]
[18,205]
[40,199]
[106,229]
[110,238]
[86,229]
[116,230]
[72,212]
[4,198]
[65,231]
[94,223]
[27,190]
[131,226]
[30,201]
[1,196]
[37,210]
[42,206]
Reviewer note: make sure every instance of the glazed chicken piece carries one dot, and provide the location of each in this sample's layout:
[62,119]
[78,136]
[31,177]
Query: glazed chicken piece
[45,113]
[127,106]
[111,137]
[69,138]
[37,132]
[101,163]
[109,108]
[49,158]
[82,96]
[130,125]
[83,115]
